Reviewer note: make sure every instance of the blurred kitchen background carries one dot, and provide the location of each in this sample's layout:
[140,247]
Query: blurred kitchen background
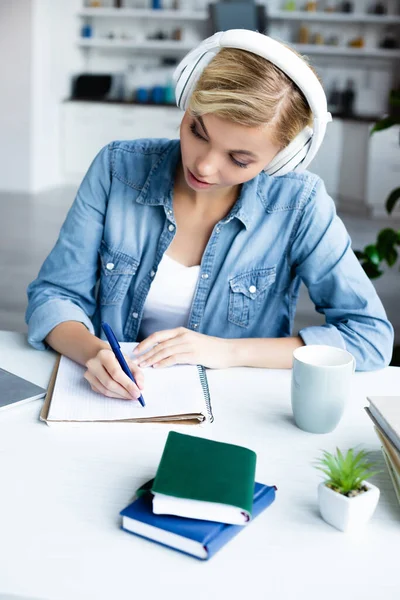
[76,75]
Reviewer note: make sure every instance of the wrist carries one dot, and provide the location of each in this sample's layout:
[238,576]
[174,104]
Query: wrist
[232,353]
[93,348]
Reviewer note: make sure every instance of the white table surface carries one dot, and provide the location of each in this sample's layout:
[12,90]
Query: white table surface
[62,490]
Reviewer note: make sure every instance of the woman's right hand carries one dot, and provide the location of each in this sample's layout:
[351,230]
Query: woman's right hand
[106,376]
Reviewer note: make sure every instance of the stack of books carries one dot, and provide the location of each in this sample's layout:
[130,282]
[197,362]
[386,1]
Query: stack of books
[384,412]
[203,494]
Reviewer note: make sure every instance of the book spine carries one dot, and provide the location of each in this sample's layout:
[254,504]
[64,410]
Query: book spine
[206,391]
[265,497]
[386,428]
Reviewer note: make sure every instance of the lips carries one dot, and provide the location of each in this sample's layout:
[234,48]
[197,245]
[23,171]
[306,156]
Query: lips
[201,180]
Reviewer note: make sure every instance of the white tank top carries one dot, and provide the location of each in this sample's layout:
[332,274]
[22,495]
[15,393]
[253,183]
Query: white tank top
[170,297]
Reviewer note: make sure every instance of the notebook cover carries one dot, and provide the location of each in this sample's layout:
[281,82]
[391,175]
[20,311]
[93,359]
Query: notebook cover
[390,449]
[210,534]
[392,473]
[189,419]
[17,390]
[386,410]
[201,469]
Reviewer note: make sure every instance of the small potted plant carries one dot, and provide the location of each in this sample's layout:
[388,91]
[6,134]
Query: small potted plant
[345,499]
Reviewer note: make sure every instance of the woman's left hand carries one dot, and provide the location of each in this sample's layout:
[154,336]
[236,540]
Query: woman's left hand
[183,346]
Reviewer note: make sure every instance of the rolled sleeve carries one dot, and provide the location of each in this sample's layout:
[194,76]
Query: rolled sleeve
[321,255]
[50,314]
[65,288]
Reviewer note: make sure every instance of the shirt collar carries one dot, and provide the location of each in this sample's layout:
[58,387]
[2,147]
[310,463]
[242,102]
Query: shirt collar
[159,186]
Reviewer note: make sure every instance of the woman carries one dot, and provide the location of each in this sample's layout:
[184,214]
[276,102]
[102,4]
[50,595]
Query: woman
[200,244]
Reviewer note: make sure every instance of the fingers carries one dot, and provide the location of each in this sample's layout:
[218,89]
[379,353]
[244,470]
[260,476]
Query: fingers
[101,389]
[171,355]
[107,371]
[157,338]
[159,352]
[186,358]
[136,372]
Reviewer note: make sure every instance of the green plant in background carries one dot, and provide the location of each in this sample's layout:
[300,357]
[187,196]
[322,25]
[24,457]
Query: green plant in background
[345,474]
[384,249]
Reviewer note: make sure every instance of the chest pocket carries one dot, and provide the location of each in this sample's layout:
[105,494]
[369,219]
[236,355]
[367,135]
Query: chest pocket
[117,270]
[247,293]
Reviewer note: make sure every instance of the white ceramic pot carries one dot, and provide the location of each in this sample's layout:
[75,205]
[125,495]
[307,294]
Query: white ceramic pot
[346,513]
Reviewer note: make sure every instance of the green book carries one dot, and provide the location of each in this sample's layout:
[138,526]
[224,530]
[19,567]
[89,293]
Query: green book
[202,479]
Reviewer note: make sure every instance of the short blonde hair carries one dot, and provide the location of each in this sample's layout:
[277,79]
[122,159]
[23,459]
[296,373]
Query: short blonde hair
[248,89]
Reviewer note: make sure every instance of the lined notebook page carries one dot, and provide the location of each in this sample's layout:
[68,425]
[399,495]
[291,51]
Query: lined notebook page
[170,391]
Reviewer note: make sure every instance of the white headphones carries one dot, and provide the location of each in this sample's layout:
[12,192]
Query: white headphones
[300,152]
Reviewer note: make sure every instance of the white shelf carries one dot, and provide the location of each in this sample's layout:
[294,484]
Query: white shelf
[288,15]
[143,13]
[178,46]
[346,51]
[150,45]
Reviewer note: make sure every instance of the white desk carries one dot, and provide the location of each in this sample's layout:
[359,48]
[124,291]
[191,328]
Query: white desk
[62,490]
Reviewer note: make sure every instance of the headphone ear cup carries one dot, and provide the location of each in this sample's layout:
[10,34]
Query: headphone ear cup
[291,157]
[188,77]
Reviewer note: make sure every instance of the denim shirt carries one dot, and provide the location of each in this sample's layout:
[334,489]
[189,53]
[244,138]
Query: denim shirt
[281,231]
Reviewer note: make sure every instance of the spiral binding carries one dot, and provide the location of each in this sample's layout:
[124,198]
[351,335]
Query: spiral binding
[206,391]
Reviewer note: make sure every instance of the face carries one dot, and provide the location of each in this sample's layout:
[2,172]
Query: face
[217,153]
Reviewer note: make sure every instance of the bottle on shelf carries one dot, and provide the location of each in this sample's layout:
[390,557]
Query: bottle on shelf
[86,31]
[304,35]
[170,91]
[318,39]
[334,98]
[379,8]
[290,5]
[311,6]
[348,98]
[347,6]
[389,40]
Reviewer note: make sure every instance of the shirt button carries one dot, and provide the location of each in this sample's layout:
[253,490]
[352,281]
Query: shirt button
[195,325]
[169,212]
[135,315]
[152,273]
[171,227]
[110,266]
[204,276]
[252,289]
[217,229]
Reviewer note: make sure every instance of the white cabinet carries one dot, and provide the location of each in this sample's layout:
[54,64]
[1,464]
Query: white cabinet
[383,169]
[88,126]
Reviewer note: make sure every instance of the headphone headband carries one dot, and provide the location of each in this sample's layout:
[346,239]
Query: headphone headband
[300,152]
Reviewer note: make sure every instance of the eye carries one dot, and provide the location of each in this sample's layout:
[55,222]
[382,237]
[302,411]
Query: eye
[239,164]
[195,132]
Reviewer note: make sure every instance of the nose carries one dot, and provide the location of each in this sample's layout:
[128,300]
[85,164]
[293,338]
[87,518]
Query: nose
[206,164]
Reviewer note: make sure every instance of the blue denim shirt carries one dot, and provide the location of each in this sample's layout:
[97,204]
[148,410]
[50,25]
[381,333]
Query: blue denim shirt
[280,231]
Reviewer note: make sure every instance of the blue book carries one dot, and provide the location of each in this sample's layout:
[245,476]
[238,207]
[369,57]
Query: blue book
[201,539]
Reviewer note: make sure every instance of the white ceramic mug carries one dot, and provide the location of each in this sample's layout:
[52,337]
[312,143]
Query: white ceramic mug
[320,386]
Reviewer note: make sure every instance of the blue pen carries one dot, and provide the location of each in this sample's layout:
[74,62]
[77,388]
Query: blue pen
[116,348]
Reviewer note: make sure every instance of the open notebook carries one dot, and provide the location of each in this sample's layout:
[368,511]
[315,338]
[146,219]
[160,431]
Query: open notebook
[175,394]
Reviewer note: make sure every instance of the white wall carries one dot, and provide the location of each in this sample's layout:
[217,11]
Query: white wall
[37,56]
[54,58]
[15,77]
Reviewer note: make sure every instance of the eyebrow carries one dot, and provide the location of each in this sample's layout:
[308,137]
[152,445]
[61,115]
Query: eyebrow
[247,152]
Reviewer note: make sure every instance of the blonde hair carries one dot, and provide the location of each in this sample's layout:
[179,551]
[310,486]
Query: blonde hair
[248,89]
